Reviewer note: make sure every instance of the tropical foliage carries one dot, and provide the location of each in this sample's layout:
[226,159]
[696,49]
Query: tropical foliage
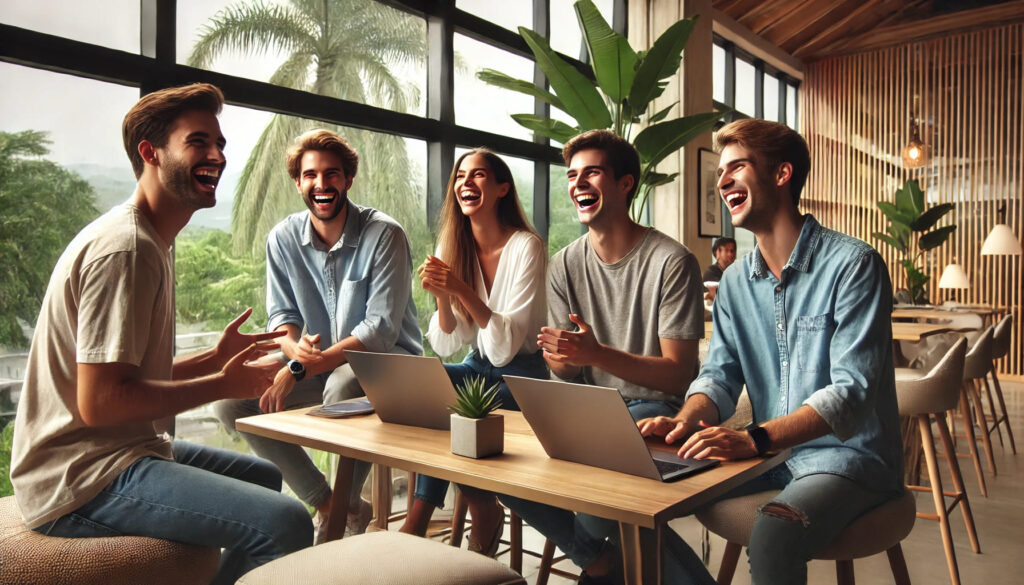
[627,82]
[339,48]
[907,216]
[44,206]
[6,442]
[213,286]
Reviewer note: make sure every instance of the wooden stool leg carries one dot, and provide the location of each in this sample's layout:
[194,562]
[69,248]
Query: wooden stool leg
[979,415]
[459,518]
[1002,406]
[995,411]
[898,564]
[730,558]
[958,485]
[515,561]
[844,573]
[965,413]
[928,444]
[544,570]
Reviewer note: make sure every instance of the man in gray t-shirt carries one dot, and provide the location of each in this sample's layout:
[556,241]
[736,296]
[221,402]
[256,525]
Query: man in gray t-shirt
[625,310]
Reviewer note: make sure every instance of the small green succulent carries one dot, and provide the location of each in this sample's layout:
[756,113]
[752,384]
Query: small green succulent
[473,401]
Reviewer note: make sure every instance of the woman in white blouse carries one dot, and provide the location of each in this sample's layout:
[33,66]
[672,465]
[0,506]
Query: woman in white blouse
[489,281]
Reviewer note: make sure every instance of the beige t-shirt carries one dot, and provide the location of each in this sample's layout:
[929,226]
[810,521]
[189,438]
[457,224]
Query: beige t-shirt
[110,299]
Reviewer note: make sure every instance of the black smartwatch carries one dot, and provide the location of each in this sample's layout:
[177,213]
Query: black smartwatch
[762,442]
[297,369]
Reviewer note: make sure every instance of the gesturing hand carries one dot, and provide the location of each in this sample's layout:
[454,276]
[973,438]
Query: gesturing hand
[247,373]
[232,341]
[718,443]
[307,350]
[436,277]
[273,399]
[575,348]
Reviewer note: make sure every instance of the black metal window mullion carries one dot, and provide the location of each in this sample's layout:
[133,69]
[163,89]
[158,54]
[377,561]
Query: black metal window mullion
[440,106]
[541,168]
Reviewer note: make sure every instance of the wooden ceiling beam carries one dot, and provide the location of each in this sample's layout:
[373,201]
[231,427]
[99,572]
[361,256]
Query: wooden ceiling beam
[792,12]
[964,20]
[841,27]
[782,30]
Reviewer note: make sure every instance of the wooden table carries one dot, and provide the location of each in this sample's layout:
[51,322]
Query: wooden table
[915,331]
[641,506]
[938,313]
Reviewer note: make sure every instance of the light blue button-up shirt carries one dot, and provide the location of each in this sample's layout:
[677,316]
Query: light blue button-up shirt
[361,286]
[821,336]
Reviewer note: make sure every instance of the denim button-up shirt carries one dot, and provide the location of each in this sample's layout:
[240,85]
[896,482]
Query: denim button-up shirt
[361,286]
[821,336]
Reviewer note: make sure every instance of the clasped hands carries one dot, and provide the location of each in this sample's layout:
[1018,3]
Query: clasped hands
[306,350]
[709,442]
[436,278]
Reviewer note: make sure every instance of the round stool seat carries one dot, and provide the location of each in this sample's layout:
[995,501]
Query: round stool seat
[383,558]
[874,532]
[29,557]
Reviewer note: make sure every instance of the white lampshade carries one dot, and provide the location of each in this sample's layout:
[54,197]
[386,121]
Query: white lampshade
[1001,241]
[954,277]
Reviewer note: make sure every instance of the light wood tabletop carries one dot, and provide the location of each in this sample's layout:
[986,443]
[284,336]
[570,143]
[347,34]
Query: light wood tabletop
[524,470]
[915,331]
[944,313]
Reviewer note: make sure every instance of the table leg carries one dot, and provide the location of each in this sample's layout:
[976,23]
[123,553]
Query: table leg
[641,554]
[381,495]
[339,498]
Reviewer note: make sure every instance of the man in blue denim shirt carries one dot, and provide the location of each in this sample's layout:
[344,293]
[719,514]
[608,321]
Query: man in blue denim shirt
[804,323]
[343,273]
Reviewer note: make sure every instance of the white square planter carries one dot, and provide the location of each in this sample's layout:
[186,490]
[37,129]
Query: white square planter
[478,437]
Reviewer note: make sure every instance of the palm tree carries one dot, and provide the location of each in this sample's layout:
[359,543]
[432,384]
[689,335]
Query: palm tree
[337,48]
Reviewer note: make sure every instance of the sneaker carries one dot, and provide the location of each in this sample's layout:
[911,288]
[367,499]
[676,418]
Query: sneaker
[360,519]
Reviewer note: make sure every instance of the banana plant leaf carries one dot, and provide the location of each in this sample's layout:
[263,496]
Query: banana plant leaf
[660,62]
[659,116]
[894,214]
[548,127]
[658,179]
[931,217]
[916,195]
[935,238]
[499,79]
[656,142]
[579,96]
[613,60]
[889,240]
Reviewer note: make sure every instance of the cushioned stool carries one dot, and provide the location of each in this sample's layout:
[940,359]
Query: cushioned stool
[27,557]
[384,558]
[880,529]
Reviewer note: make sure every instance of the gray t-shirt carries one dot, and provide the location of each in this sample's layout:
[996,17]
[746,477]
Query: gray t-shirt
[654,292]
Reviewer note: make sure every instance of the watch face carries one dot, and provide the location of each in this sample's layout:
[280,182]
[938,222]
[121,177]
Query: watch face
[296,367]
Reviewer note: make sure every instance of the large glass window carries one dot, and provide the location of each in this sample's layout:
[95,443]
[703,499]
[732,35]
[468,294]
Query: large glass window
[791,116]
[510,14]
[745,90]
[771,98]
[356,50]
[565,29]
[108,23]
[486,107]
[565,224]
[718,73]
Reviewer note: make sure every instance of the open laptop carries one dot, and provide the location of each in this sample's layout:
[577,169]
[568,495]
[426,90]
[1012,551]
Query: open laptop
[592,425]
[405,389]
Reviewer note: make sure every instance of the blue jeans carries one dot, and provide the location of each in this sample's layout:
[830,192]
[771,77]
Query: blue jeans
[431,489]
[209,497]
[581,536]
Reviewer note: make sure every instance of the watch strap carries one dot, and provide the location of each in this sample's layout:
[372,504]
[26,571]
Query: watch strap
[762,442]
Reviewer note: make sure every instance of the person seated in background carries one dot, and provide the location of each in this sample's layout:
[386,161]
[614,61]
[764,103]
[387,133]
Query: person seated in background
[624,311]
[88,460]
[804,324]
[724,251]
[488,280]
[342,273]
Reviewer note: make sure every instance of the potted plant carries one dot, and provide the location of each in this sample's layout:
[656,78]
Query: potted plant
[627,82]
[907,216]
[476,431]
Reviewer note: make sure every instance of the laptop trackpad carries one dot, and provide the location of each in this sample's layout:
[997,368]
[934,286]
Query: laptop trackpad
[672,467]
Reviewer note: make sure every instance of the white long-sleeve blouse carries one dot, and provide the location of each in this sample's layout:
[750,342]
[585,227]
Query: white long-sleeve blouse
[517,301]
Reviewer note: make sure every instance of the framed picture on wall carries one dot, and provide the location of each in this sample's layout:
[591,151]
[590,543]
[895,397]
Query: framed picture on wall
[709,205]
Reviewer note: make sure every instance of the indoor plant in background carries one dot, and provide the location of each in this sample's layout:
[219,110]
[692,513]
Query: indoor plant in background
[627,82]
[476,431]
[907,216]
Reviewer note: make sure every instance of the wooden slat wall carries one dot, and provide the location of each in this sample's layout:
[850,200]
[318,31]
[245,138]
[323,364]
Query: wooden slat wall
[855,114]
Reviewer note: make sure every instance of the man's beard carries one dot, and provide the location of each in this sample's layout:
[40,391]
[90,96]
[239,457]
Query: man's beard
[179,181]
[340,202]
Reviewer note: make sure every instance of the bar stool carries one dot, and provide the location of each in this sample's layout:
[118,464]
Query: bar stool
[976,367]
[27,556]
[878,530]
[923,397]
[1000,347]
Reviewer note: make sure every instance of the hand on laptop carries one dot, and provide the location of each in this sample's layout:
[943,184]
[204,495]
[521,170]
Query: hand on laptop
[718,443]
[669,427]
[575,348]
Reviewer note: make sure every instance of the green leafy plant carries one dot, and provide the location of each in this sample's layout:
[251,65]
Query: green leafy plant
[627,82]
[473,400]
[907,216]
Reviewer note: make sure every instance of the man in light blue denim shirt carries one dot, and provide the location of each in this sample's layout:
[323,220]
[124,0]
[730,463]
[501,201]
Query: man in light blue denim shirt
[804,322]
[344,274]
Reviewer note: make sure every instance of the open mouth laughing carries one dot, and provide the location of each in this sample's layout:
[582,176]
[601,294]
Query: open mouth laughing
[207,176]
[735,199]
[469,196]
[585,201]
